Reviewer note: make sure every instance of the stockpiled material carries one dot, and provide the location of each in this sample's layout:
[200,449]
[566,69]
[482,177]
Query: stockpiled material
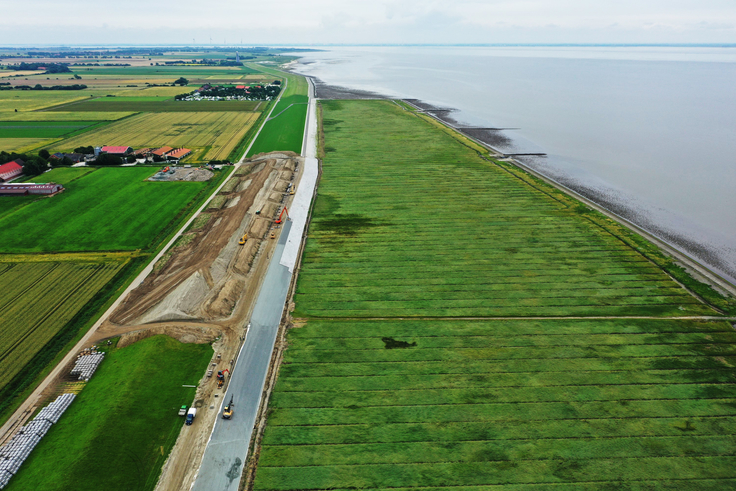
[86,365]
[53,411]
[15,452]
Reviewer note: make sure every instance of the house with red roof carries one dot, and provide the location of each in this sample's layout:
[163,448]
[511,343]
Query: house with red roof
[178,154]
[160,152]
[11,170]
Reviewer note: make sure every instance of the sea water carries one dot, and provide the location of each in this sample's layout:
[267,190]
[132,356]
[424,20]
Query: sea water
[648,132]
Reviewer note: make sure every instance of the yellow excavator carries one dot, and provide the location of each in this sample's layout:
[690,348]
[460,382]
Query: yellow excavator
[273,235]
[227,411]
[243,239]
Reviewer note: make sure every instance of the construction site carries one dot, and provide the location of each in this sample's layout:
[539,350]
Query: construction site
[203,290]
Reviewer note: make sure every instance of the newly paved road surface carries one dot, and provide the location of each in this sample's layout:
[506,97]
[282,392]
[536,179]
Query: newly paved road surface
[227,449]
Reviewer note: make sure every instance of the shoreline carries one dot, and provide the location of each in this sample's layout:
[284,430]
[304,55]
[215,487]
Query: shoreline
[697,258]
[490,138]
[693,265]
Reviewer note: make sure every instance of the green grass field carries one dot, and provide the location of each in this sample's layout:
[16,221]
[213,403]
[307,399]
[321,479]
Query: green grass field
[411,222]
[416,404]
[109,209]
[118,432]
[285,129]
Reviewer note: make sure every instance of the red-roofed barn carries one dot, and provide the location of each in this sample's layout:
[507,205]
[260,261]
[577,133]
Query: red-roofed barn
[11,170]
[122,151]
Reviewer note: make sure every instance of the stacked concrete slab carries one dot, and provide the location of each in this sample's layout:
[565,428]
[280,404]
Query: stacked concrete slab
[17,450]
[86,365]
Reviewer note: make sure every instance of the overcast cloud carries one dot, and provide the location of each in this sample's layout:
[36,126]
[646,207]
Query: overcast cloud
[74,22]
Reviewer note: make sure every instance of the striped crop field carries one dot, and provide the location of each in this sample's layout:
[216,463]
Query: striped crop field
[32,100]
[211,135]
[39,299]
[568,372]
[416,224]
[542,405]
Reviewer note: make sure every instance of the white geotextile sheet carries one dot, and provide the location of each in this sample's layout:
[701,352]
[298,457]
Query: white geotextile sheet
[299,211]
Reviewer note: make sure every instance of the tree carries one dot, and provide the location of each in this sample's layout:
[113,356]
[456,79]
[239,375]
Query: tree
[44,154]
[84,150]
[107,159]
[130,159]
[181,81]
[35,166]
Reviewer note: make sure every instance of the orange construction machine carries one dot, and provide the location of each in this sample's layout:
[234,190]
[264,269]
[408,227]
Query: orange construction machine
[221,378]
[278,220]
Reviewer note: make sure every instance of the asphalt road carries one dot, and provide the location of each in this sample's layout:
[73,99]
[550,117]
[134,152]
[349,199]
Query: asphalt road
[222,465]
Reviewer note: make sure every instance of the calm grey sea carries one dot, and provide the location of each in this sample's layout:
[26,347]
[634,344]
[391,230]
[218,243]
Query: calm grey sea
[648,132]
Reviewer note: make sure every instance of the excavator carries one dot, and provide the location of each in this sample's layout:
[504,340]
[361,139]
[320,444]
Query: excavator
[278,220]
[243,239]
[221,378]
[227,411]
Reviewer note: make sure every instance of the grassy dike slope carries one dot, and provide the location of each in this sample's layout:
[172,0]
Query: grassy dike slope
[117,433]
[411,222]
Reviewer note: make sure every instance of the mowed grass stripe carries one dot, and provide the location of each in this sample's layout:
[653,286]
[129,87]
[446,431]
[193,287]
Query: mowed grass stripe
[506,450]
[522,365]
[495,472]
[498,380]
[312,436]
[506,328]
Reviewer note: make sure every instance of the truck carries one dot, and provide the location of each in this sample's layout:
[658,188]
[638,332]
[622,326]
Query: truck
[190,416]
[183,410]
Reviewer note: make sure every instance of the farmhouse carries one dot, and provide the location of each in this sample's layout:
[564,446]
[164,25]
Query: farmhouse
[119,151]
[11,170]
[26,188]
[74,157]
[178,154]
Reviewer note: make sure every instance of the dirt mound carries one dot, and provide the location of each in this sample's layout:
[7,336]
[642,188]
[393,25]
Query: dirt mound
[224,303]
[185,333]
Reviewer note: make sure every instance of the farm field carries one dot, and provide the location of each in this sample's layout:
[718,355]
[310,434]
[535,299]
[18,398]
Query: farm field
[110,209]
[42,129]
[211,136]
[285,129]
[21,145]
[119,431]
[413,229]
[39,299]
[34,116]
[31,100]
[112,105]
[606,404]
[417,224]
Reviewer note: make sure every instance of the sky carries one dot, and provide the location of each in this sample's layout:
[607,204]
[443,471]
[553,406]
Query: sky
[305,22]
